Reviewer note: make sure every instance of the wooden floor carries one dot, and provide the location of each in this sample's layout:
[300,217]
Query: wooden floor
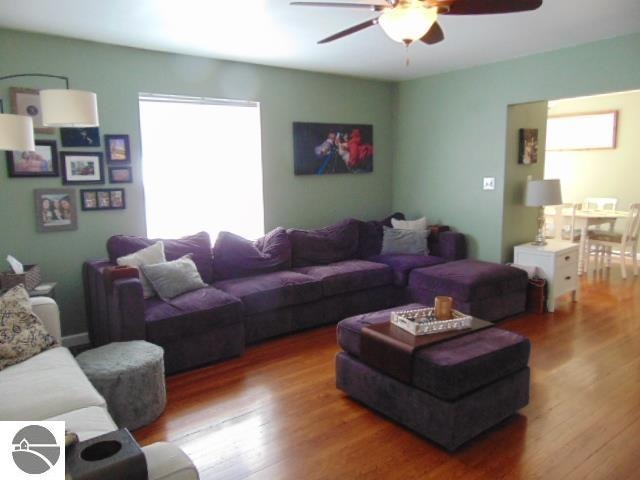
[275,412]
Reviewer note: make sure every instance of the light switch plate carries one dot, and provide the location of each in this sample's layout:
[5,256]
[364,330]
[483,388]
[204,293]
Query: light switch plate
[489,183]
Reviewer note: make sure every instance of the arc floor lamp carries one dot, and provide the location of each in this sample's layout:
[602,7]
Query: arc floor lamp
[60,108]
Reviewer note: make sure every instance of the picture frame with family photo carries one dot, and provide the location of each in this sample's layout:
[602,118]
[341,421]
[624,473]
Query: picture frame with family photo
[102,199]
[82,168]
[55,209]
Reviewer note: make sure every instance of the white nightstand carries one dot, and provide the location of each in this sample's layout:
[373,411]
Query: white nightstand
[557,263]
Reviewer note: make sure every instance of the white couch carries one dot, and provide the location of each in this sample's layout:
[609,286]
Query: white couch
[51,386]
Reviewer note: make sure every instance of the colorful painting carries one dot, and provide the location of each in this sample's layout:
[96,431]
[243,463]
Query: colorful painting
[528,151]
[327,148]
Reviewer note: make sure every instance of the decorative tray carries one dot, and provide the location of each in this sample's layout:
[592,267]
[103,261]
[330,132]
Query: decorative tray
[423,321]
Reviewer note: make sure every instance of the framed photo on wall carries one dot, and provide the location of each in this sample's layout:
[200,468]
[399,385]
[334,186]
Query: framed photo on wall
[80,137]
[102,199]
[528,146]
[120,175]
[327,148]
[43,162]
[81,167]
[117,148]
[55,209]
[26,101]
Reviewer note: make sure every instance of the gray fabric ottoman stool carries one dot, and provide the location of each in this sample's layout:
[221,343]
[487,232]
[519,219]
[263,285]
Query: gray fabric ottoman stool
[459,388]
[486,290]
[130,376]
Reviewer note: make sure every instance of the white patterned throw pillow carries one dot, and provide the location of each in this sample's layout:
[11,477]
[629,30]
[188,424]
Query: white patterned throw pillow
[22,334]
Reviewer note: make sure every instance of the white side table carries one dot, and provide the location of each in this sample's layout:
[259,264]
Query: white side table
[557,263]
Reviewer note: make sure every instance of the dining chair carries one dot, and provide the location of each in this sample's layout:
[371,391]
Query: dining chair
[602,242]
[600,203]
[561,226]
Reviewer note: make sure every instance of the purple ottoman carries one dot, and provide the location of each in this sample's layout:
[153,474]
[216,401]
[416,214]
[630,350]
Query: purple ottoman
[460,387]
[486,290]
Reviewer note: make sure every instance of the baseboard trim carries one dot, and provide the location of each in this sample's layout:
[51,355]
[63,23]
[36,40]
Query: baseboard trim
[77,339]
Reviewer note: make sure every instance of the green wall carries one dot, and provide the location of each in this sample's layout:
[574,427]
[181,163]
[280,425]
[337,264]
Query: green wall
[117,75]
[451,131]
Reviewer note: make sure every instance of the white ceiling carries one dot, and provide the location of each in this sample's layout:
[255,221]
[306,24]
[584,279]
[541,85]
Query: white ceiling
[271,32]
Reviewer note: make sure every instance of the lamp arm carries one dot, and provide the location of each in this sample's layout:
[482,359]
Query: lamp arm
[47,75]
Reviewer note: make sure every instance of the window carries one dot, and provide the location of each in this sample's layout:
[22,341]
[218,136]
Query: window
[202,166]
[582,131]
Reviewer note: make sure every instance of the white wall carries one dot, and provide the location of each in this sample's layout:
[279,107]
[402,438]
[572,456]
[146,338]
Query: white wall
[601,173]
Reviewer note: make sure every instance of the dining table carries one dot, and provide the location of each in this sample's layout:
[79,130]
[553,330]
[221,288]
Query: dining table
[583,219]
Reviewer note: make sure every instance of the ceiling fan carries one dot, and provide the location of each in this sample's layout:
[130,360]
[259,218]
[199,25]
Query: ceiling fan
[406,21]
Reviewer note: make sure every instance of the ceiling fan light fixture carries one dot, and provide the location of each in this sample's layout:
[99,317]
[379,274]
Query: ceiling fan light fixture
[408,21]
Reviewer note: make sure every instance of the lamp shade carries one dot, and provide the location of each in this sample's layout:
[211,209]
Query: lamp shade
[69,108]
[408,22]
[16,132]
[543,192]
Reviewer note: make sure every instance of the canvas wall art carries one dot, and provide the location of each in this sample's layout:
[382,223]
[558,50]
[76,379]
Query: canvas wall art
[528,151]
[328,148]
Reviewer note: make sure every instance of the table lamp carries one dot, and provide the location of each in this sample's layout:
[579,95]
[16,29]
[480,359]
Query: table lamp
[540,193]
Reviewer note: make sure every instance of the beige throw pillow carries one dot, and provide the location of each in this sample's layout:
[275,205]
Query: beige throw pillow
[151,255]
[22,333]
[420,224]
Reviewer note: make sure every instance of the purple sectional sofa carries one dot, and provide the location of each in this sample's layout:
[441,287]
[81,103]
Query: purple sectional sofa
[287,281]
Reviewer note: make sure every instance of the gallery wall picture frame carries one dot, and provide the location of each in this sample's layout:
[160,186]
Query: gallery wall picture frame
[117,149]
[120,175]
[80,137]
[43,162]
[103,199]
[528,146]
[82,168]
[329,148]
[26,101]
[55,209]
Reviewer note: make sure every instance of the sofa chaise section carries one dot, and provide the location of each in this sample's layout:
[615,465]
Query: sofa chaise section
[51,387]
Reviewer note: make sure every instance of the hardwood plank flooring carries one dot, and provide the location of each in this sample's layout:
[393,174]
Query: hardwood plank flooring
[275,412]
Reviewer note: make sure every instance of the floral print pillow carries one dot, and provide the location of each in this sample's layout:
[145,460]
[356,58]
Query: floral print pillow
[22,334]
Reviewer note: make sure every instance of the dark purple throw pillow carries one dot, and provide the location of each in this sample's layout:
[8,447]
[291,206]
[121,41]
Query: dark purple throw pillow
[324,245]
[198,245]
[234,256]
[370,239]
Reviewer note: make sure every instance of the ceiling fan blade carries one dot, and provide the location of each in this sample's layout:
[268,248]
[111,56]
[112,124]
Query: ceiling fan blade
[350,30]
[368,6]
[434,35]
[485,7]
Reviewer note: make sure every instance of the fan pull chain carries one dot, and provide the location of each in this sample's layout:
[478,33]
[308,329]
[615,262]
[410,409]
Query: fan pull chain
[407,61]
